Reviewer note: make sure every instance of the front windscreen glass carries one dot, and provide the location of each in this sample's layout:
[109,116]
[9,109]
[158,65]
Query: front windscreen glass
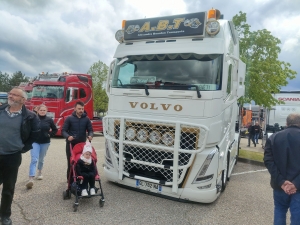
[29,94]
[171,71]
[47,91]
[3,100]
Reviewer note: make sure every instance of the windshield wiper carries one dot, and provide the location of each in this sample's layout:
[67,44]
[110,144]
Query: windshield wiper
[146,89]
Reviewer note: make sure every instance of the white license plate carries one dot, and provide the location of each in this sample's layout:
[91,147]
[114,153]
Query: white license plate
[148,185]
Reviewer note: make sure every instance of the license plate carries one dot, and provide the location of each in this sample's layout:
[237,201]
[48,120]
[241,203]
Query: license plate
[148,185]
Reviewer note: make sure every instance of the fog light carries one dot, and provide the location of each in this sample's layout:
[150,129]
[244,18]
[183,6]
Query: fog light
[204,187]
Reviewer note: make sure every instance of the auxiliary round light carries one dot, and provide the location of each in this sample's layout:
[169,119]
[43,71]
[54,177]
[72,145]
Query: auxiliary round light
[119,36]
[212,27]
[155,137]
[142,135]
[130,133]
[168,138]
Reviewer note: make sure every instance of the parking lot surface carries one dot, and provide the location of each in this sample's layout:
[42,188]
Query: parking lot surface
[246,200]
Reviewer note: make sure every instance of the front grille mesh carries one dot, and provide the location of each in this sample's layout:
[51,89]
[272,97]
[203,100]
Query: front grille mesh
[153,142]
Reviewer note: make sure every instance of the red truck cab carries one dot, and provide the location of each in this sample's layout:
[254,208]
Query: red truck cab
[27,87]
[60,92]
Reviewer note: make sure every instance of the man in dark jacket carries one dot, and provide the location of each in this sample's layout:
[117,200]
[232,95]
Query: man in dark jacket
[19,128]
[282,157]
[251,135]
[75,128]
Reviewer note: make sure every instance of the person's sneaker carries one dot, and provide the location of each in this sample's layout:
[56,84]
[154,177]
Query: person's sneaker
[6,221]
[92,191]
[29,184]
[84,192]
[254,145]
[39,177]
[248,145]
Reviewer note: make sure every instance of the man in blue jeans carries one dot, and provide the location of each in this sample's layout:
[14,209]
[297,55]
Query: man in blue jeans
[282,159]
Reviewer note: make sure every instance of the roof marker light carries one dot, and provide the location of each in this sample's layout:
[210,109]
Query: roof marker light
[123,24]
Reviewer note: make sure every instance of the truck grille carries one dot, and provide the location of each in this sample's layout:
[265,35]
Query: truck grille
[148,147]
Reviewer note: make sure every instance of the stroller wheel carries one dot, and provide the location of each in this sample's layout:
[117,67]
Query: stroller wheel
[75,207]
[66,194]
[101,202]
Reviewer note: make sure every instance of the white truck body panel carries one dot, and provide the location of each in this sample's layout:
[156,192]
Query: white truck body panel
[279,113]
[200,130]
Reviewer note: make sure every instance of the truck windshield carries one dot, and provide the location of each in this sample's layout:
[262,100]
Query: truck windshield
[3,100]
[47,91]
[171,71]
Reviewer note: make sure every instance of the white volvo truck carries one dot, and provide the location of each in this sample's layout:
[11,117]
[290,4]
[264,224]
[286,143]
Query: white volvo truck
[173,87]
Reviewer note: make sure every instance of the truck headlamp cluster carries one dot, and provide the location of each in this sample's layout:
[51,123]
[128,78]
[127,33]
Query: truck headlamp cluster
[142,135]
[119,36]
[130,133]
[212,27]
[155,137]
[168,138]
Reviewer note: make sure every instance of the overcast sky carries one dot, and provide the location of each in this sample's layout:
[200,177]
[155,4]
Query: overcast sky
[59,35]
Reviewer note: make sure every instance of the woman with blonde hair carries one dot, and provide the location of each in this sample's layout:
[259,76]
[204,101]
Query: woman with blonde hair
[40,147]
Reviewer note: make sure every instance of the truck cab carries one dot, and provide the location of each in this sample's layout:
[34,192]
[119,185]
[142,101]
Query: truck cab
[173,89]
[59,92]
[3,97]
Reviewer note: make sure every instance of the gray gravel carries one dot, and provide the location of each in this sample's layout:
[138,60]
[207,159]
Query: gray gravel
[246,200]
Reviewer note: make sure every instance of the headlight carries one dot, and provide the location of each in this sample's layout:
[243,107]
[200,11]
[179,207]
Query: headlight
[119,36]
[168,138]
[142,135]
[130,133]
[212,27]
[155,137]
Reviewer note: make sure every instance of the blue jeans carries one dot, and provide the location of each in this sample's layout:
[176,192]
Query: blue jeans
[282,203]
[256,136]
[38,153]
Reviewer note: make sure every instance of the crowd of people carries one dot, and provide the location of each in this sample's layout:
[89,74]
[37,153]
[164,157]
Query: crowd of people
[31,131]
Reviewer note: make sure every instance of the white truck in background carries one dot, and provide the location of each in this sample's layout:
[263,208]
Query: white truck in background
[173,87]
[275,117]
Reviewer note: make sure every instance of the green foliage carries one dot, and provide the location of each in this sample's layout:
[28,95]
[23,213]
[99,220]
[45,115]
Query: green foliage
[7,82]
[265,74]
[4,82]
[255,156]
[99,73]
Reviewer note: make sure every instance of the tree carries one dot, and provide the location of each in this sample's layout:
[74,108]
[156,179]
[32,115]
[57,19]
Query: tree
[17,78]
[265,74]
[98,72]
[4,82]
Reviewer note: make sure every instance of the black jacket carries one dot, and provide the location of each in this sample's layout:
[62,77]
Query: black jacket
[77,127]
[282,157]
[82,167]
[45,134]
[256,129]
[30,127]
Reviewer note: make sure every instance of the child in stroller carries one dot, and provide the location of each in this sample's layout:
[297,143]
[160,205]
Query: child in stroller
[83,172]
[86,170]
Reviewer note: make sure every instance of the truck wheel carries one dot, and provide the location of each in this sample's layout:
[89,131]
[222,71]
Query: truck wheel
[225,174]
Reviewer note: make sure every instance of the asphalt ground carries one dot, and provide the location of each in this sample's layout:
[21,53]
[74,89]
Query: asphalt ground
[246,200]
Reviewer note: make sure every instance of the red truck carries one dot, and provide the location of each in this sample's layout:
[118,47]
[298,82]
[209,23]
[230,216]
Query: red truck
[27,87]
[59,92]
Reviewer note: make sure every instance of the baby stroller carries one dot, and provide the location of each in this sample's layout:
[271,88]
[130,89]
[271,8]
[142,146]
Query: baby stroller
[74,180]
